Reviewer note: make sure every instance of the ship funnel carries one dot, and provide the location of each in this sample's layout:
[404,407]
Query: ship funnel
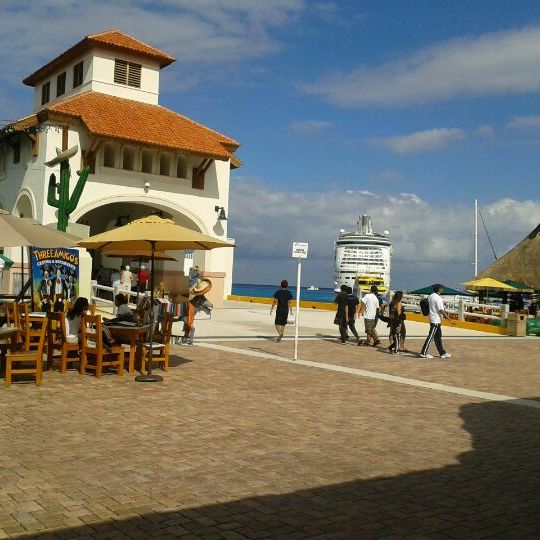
[364,225]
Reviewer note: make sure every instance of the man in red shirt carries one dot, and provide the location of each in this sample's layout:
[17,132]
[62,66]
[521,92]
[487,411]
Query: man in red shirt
[143,278]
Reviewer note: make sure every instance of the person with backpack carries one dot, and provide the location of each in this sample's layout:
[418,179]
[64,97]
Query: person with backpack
[436,314]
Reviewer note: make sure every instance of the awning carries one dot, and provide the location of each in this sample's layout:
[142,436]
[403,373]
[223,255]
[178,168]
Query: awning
[5,262]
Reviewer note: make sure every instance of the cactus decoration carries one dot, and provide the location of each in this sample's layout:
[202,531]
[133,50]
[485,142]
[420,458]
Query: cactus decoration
[58,193]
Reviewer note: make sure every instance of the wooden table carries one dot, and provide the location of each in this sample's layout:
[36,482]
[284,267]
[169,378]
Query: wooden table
[134,335]
[7,332]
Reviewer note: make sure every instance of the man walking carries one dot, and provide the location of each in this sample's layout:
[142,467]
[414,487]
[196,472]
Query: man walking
[436,314]
[370,310]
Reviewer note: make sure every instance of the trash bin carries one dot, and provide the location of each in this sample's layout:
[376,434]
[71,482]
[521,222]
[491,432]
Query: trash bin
[516,325]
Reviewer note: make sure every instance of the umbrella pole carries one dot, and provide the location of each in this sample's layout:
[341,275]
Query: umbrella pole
[149,377]
[23,283]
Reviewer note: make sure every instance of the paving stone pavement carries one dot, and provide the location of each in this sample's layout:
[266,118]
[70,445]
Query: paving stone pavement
[231,446]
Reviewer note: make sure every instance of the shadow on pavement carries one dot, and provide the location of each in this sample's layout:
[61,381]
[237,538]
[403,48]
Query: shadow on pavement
[494,491]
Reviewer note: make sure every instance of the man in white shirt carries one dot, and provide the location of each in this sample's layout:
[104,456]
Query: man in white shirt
[436,314]
[370,310]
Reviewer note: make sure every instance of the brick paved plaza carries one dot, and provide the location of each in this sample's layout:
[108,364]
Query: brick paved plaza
[237,443]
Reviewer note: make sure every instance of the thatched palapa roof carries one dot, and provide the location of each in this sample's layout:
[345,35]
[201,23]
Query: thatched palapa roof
[521,263]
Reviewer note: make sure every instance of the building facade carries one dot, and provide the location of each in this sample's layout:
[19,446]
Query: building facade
[102,96]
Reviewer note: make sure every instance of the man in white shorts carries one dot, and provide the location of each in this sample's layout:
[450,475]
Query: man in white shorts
[436,314]
[370,310]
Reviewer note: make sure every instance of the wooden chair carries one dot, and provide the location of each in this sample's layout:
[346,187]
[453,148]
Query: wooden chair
[33,352]
[94,356]
[57,338]
[160,347]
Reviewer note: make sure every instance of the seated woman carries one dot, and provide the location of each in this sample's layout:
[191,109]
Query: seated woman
[73,319]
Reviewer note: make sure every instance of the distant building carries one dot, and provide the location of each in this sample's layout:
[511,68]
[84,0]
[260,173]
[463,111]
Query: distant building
[102,95]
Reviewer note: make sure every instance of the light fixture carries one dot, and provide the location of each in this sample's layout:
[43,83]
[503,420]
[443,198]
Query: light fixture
[146,186]
[119,220]
[221,213]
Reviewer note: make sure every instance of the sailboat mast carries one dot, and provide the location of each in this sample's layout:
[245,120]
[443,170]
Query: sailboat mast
[475,262]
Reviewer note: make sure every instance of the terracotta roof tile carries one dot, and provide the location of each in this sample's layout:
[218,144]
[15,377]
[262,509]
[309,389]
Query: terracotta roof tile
[111,39]
[145,124]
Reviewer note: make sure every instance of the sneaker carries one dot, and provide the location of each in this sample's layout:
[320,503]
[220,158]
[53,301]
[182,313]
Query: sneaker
[446,355]
[426,356]
[377,342]
[279,338]
[343,343]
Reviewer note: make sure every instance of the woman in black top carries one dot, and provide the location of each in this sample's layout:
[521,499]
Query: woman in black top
[283,299]
[395,320]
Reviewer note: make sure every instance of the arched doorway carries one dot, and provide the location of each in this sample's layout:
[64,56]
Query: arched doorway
[116,214]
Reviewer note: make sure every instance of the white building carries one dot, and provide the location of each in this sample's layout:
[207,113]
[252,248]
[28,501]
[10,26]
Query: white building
[102,95]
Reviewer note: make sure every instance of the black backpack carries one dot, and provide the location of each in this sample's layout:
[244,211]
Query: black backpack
[424,306]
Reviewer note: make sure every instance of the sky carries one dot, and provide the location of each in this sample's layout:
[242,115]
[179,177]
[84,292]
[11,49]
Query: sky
[406,111]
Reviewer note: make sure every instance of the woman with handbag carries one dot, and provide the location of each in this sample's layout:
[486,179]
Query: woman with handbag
[396,316]
[283,303]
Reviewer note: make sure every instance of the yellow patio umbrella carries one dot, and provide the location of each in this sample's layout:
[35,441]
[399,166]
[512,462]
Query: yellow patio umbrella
[153,233]
[489,284]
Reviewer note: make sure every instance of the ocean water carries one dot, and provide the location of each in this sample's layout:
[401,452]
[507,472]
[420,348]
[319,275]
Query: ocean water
[267,291]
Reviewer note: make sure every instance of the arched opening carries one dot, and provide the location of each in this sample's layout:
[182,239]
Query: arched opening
[117,214]
[24,207]
[109,155]
[128,159]
[147,161]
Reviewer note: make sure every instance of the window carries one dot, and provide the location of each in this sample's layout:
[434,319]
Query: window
[16,152]
[108,155]
[128,159]
[45,93]
[127,73]
[147,161]
[181,167]
[77,74]
[164,165]
[61,84]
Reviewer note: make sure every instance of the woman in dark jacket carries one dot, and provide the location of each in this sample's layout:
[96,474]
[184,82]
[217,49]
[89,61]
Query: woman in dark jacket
[395,320]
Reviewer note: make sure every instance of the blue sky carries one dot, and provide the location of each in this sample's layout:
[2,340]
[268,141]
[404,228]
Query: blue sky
[403,110]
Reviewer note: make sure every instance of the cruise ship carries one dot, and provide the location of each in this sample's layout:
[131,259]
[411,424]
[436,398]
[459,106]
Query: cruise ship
[362,259]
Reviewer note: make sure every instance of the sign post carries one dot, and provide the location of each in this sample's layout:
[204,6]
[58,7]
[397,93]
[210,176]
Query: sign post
[300,251]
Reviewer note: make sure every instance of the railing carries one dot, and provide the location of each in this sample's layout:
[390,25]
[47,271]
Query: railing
[104,300]
[462,309]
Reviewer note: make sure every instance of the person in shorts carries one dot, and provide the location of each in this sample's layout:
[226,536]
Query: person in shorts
[369,308]
[282,302]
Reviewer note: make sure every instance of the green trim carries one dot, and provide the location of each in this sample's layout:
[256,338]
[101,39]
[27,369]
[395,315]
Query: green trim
[8,263]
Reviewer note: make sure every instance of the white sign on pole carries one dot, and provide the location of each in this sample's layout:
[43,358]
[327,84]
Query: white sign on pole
[299,250]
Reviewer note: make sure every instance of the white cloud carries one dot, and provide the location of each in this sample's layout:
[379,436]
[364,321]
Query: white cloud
[421,141]
[310,127]
[431,242]
[491,64]
[525,122]
[485,131]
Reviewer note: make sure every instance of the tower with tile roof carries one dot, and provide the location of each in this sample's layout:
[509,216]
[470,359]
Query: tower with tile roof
[102,95]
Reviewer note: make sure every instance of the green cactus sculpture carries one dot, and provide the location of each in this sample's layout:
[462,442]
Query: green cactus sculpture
[58,194]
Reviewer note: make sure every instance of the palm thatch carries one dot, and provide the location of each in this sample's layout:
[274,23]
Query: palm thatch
[521,263]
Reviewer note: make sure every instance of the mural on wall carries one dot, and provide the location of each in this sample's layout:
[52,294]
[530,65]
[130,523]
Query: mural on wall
[56,277]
